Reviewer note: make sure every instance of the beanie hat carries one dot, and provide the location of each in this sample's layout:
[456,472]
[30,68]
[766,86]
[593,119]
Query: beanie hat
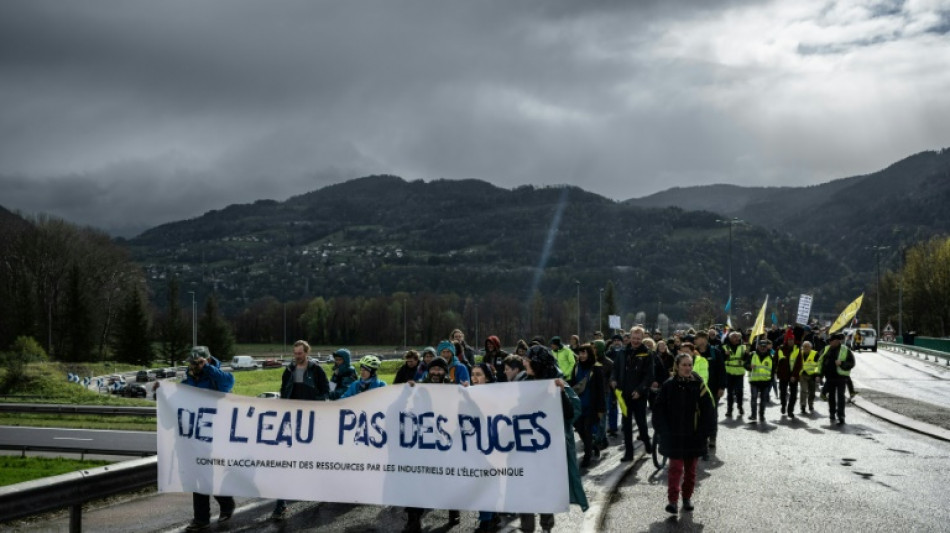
[445,345]
[557,341]
[438,362]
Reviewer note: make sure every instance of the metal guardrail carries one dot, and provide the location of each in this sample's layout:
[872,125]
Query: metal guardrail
[82,452]
[74,489]
[917,351]
[68,409]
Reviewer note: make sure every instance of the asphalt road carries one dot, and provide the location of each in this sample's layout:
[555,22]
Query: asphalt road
[80,439]
[903,375]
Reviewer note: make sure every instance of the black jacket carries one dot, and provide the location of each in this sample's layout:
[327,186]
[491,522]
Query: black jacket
[314,387]
[633,371]
[684,415]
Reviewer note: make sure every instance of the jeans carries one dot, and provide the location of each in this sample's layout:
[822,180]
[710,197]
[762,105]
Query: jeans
[675,477]
[835,390]
[760,396]
[734,386]
[788,392]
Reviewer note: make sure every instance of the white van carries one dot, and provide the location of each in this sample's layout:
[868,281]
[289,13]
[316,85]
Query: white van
[243,362]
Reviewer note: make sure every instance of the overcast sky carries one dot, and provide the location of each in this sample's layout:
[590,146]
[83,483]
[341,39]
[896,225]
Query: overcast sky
[125,114]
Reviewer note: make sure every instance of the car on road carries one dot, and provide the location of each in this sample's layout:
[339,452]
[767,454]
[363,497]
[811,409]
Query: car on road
[244,362]
[134,390]
[863,337]
[170,372]
[272,363]
[144,376]
[269,395]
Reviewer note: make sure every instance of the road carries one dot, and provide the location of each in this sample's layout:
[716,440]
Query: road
[903,375]
[80,439]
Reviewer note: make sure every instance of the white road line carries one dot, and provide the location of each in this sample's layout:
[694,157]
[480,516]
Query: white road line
[68,438]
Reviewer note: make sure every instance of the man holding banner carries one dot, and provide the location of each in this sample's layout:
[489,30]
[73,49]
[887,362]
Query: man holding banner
[836,363]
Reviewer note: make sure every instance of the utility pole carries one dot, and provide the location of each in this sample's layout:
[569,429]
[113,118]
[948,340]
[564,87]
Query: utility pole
[731,222]
[600,311]
[194,320]
[877,257]
[578,307]
[405,326]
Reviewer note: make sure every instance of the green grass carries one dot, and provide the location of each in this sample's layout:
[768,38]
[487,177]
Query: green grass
[49,420]
[19,469]
[254,382]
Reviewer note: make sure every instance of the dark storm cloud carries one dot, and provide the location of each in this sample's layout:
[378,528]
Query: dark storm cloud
[127,114]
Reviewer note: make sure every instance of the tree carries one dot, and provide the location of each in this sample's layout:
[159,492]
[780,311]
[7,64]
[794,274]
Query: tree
[927,287]
[214,332]
[130,341]
[78,326]
[175,341]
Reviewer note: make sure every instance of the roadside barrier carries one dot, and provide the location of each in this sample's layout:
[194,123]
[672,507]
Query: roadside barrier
[917,351]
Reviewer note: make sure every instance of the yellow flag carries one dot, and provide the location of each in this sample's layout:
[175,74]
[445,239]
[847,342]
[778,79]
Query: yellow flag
[759,327]
[620,403]
[846,315]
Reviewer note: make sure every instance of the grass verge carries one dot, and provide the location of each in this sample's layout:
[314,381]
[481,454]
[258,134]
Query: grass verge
[19,469]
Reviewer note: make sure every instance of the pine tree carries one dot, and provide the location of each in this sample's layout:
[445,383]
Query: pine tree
[130,342]
[78,324]
[175,340]
[214,332]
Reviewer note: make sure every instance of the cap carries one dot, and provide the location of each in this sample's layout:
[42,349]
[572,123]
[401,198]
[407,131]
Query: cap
[836,336]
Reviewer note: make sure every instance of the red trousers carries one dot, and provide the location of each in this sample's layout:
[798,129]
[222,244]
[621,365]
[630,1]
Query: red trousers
[675,477]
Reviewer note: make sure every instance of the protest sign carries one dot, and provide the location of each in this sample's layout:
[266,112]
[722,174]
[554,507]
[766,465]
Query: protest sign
[497,447]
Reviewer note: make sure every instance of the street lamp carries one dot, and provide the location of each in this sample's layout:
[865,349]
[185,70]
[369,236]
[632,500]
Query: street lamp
[731,222]
[600,311]
[578,307]
[877,257]
[405,326]
[194,319]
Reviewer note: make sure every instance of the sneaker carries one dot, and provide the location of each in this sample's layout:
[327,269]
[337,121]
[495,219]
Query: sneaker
[279,514]
[197,526]
[687,504]
[752,416]
[224,517]
[671,508]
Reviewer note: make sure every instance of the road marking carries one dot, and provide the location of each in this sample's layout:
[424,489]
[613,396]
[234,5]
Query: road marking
[68,438]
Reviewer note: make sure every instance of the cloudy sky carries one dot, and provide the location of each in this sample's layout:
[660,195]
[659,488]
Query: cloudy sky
[126,114]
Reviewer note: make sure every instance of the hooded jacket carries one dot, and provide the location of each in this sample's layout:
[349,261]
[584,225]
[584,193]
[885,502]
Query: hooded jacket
[455,371]
[343,375]
[359,386]
[495,356]
[314,386]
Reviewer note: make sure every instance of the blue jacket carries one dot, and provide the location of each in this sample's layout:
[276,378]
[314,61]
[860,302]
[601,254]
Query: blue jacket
[343,375]
[211,377]
[456,371]
[358,386]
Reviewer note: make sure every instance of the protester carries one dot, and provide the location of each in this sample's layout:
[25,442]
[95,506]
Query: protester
[588,384]
[761,368]
[788,368]
[427,354]
[303,379]
[614,353]
[369,366]
[514,368]
[735,353]
[633,374]
[466,355]
[564,356]
[684,416]
[456,371]
[343,373]
[836,363]
[483,374]
[809,377]
[495,356]
[204,372]
[409,371]
[539,363]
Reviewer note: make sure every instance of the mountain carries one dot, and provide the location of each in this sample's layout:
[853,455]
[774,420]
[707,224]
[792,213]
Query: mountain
[899,205]
[381,234]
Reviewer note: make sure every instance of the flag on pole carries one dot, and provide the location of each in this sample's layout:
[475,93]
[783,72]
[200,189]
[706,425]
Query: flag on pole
[774,318]
[759,327]
[728,305]
[849,313]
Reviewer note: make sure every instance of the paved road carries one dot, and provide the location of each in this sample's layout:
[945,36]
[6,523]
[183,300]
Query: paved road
[80,439]
[903,375]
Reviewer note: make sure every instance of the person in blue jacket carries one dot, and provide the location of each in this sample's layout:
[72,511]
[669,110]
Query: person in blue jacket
[369,365]
[457,372]
[204,372]
[343,373]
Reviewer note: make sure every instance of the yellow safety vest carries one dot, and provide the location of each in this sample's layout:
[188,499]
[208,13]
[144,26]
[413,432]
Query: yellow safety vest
[810,364]
[761,368]
[701,366]
[792,358]
[842,356]
[735,366]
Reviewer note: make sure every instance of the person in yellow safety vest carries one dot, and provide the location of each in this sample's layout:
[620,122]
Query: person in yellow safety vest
[788,368]
[836,363]
[809,377]
[734,352]
[761,369]
[564,355]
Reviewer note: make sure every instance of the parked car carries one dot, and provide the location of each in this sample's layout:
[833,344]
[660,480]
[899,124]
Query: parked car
[272,363]
[114,378]
[269,395]
[144,376]
[170,372]
[160,373]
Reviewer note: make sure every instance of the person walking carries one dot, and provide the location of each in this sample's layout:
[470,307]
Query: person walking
[809,377]
[614,353]
[588,384]
[788,369]
[633,374]
[761,369]
[303,379]
[836,363]
[734,352]
[204,372]
[717,374]
[684,417]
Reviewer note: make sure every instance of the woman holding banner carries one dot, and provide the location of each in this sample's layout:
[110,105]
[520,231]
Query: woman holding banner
[539,363]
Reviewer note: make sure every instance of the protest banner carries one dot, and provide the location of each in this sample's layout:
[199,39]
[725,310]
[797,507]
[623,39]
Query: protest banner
[497,447]
[804,308]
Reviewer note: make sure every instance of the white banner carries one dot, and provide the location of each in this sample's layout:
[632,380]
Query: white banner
[804,308]
[614,321]
[496,447]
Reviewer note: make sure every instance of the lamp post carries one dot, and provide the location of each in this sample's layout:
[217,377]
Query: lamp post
[731,222]
[900,298]
[877,257]
[405,326]
[578,307]
[194,320]
[600,311]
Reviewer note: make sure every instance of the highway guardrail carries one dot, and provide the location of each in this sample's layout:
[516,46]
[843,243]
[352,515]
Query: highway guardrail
[69,409]
[74,489]
[925,353]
